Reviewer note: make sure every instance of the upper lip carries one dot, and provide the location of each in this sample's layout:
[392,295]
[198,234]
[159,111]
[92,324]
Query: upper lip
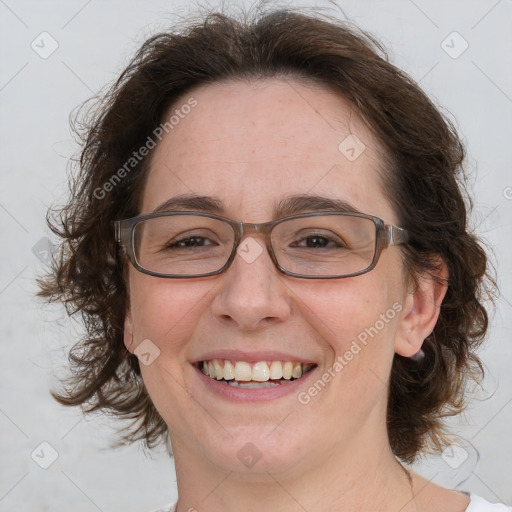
[252,357]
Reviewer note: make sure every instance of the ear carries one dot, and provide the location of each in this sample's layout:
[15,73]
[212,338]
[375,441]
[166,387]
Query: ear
[421,311]
[128,330]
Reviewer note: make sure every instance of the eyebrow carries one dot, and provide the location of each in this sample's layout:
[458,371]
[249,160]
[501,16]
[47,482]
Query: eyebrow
[288,206]
[311,203]
[191,202]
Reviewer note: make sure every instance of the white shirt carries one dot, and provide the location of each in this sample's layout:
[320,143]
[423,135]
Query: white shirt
[477,504]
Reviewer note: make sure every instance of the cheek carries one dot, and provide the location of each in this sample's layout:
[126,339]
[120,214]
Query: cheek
[356,318]
[166,312]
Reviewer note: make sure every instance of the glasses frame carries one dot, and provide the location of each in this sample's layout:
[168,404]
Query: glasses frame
[386,235]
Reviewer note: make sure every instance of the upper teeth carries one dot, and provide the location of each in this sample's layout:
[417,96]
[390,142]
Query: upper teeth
[259,372]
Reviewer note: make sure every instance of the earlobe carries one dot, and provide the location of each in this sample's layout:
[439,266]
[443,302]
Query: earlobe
[421,311]
[128,330]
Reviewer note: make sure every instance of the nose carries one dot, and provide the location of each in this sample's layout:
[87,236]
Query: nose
[252,293]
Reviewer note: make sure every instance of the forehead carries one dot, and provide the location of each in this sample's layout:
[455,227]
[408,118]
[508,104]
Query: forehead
[251,145]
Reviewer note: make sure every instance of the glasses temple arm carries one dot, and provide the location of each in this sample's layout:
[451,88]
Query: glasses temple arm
[117,230]
[396,235]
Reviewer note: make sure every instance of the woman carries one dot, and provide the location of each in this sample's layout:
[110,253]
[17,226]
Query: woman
[268,241]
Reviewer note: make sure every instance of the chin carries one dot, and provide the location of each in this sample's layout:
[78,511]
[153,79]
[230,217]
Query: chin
[258,451]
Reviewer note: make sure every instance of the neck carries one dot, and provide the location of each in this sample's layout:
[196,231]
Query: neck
[349,482]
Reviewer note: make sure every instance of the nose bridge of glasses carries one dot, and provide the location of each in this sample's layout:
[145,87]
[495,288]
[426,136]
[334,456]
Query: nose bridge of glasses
[247,229]
[250,228]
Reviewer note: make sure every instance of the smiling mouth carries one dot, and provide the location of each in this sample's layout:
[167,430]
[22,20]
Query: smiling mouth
[263,374]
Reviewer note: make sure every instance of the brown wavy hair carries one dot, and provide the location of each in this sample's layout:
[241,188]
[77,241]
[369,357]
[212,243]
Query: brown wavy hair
[424,180]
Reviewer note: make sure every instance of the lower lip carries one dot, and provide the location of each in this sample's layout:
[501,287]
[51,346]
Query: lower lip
[253,395]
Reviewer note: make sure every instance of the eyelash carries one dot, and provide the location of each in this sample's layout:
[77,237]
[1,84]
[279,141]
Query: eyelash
[180,243]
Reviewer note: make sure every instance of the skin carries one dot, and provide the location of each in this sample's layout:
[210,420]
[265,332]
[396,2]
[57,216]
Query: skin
[251,145]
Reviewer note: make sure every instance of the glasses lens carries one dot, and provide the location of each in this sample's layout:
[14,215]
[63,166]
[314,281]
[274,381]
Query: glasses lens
[182,244]
[325,245]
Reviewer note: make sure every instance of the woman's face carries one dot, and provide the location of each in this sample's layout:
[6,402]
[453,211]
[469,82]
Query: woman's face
[251,146]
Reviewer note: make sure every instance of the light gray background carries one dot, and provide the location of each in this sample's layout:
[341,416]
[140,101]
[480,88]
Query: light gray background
[95,40]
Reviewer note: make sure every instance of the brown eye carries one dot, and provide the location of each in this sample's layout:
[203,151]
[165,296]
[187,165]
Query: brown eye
[193,241]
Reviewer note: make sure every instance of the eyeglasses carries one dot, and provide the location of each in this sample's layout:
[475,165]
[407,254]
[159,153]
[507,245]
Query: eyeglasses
[318,245]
